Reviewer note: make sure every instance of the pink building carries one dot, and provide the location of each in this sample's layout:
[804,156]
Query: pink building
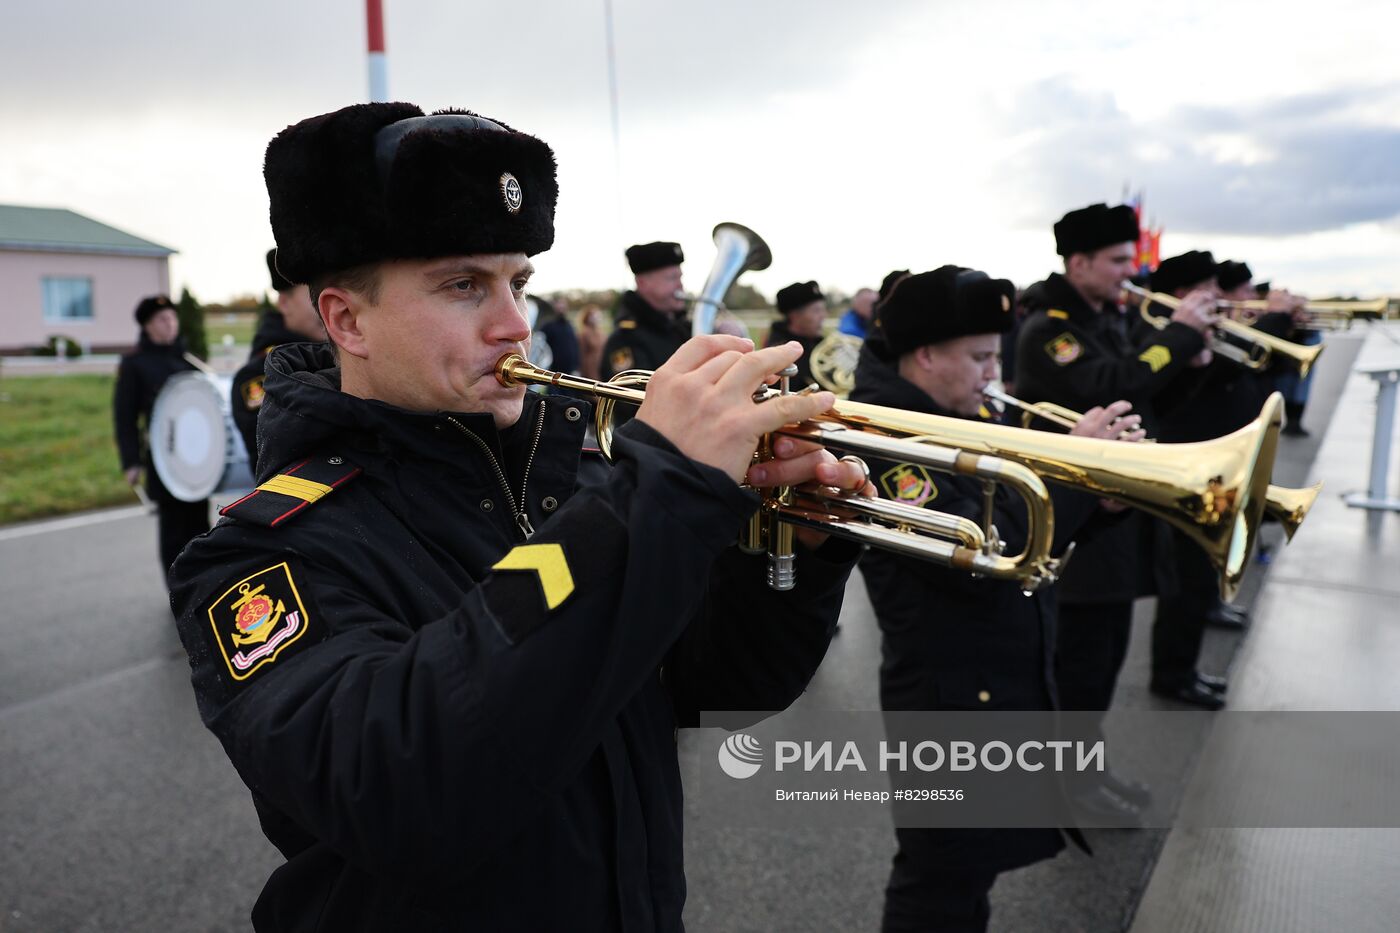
[63,274]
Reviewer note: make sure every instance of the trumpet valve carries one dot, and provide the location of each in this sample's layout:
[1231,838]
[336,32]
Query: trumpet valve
[782,560]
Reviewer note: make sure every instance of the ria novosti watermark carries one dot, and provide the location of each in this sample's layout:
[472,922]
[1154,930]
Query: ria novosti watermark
[806,768]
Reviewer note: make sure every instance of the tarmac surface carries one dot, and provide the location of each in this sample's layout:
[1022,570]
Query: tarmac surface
[118,811]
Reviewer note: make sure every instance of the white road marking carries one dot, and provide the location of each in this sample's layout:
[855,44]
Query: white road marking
[76,521]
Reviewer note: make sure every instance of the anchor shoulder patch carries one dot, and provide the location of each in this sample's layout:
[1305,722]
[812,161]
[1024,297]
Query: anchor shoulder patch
[290,493]
[1064,349]
[252,393]
[909,483]
[621,359]
[258,620]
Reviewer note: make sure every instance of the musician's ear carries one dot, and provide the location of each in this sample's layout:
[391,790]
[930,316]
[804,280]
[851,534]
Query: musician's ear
[340,311]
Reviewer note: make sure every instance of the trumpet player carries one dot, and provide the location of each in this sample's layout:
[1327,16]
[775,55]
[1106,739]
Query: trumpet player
[651,323]
[1207,403]
[950,641]
[450,675]
[1236,282]
[1083,349]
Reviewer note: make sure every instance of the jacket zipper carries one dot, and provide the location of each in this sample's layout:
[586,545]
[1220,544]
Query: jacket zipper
[522,521]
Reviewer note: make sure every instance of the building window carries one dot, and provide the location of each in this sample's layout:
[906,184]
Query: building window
[67,300]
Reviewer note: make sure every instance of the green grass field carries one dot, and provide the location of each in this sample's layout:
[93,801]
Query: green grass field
[57,453]
[241,326]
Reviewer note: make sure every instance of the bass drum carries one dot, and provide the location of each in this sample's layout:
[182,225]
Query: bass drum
[195,448]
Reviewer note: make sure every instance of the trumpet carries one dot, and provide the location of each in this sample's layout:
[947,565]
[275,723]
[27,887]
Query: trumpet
[1321,315]
[1259,348]
[1214,491]
[1284,504]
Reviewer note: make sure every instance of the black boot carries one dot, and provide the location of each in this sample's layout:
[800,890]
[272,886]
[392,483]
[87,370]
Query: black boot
[1294,426]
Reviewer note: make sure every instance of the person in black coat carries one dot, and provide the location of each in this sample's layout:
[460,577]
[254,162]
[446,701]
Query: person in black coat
[951,641]
[1080,350]
[650,320]
[159,354]
[293,321]
[802,307]
[449,671]
[1200,405]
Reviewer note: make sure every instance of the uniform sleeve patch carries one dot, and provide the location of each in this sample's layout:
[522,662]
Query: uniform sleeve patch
[257,619]
[626,324]
[1058,314]
[549,563]
[909,483]
[1064,349]
[1156,356]
[252,392]
[621,359]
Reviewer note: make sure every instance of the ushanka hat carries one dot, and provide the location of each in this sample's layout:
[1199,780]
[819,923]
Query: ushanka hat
[1185,271]
[150,306]
[1230,275]
[647,257]
[1094,227]
[889,282]
[279,281]
[797,296]
[948,302]
[375,182]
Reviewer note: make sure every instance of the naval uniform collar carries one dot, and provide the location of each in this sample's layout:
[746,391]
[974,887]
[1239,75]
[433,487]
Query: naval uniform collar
[648,317]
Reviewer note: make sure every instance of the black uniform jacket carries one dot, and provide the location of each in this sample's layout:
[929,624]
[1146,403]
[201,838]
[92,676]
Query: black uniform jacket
[247,393]
[467,732]
[779,334]
[140,376]
[644,337]
[954,642]
[1080,357]
[1223,396]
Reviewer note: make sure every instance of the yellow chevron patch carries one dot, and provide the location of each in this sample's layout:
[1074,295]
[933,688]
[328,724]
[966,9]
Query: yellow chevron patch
[546,560]
[1056,313]
[1156,356]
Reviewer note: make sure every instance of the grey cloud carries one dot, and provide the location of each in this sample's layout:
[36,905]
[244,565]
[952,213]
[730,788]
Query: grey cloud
[1330,168]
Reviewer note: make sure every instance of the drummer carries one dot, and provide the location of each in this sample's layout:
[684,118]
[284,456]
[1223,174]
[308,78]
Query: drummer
[159,354]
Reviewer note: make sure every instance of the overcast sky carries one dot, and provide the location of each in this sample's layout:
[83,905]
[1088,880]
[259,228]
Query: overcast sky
[855,137]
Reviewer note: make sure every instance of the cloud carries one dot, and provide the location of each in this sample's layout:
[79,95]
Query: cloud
[1293,165]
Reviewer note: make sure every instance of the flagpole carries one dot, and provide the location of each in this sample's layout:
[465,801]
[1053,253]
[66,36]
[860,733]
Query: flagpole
[378,62]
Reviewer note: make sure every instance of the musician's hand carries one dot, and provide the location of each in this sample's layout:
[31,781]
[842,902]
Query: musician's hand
[797,462]
[132,475]
[1197,310]
[701,400]
[1112,422]
[1201,359]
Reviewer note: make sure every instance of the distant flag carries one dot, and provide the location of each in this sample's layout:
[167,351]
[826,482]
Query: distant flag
[1149,247]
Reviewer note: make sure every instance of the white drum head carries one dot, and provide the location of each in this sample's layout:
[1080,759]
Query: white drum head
[192,435]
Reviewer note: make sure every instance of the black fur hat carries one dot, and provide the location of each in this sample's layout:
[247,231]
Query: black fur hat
[646,257]
[888,282]
[150,306]
[374,182]
[1185,271]
[279,281]
[1231,275]
[1094,227]
[949,302]
[798,295]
